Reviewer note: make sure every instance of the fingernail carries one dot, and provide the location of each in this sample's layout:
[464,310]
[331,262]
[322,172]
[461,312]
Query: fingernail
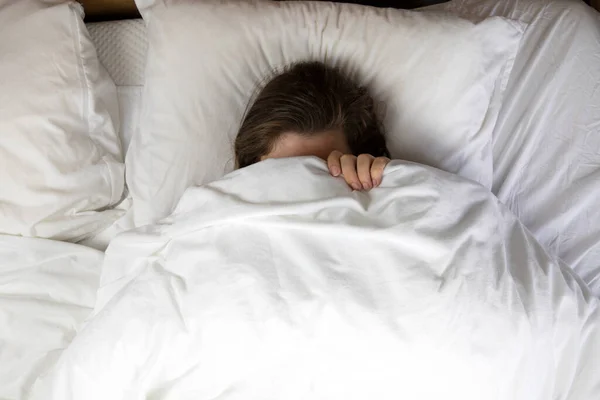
[366,185]
[335,171]
[355,186]
[375,183]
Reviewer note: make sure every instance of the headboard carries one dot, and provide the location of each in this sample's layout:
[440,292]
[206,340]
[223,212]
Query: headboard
[106,10]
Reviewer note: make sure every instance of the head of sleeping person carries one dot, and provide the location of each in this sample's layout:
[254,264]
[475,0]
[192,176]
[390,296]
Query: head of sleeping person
[310,109]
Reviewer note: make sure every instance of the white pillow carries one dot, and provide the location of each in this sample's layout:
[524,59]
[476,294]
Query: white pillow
[60,157]
[436,75]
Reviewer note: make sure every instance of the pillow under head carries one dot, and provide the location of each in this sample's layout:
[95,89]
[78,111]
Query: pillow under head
[439,78]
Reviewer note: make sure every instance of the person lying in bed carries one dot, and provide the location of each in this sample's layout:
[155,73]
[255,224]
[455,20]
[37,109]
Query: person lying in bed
[311,109]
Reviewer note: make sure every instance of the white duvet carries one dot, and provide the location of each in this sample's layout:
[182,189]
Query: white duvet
[279,282]
[47,289]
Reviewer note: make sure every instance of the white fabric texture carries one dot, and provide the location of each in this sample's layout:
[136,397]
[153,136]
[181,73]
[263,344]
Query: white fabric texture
[547,139]
[435,75]
[279,282]
[61,164]
[122,47]
[47,289]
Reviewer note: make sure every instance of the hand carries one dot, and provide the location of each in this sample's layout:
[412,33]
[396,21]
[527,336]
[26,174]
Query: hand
[361,173]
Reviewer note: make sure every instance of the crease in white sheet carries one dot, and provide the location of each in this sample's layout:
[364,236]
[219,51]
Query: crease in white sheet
[279,282]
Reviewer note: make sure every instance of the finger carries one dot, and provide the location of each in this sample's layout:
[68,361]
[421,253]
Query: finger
[348,162]
[334,164]
[377,168]
[363,167]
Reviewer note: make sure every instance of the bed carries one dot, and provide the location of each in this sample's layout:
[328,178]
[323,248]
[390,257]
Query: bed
[546,144]
[546,152]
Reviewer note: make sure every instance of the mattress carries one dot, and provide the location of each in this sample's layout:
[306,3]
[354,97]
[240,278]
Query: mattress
[547,139]
[121,47]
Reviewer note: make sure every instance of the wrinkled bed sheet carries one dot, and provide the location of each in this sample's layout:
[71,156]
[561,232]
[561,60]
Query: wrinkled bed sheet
[47,289]
[279,282]
[547,139]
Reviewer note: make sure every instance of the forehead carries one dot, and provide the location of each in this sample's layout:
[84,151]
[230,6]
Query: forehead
[292,144]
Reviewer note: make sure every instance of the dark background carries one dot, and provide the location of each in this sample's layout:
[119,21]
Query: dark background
[106,10]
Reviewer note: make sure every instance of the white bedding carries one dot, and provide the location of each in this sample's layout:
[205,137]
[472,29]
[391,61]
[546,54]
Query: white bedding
[547,170]
[47,289]
[547,139]
[61,163]
[546,144]
[279,282]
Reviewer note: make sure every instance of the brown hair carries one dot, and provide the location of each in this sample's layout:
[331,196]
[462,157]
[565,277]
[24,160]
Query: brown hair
[309,98]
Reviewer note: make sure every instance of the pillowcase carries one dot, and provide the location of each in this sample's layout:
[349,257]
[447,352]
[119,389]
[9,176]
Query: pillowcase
[60,158]
[436,75]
